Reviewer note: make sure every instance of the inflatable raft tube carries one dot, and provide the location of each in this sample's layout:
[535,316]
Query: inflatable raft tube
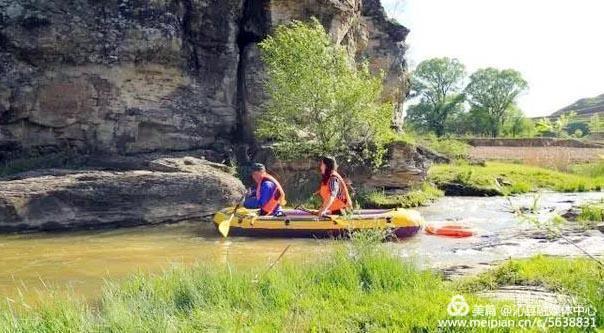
[457,231]
[297,223]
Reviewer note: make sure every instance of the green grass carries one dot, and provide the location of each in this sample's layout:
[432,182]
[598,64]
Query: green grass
[359,288]
[447,146]
[509,178]
[594,169]
[579,277]
[591,213]
[356,290]
[416,197]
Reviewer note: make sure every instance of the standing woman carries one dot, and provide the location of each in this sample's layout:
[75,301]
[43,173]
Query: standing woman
[333,190]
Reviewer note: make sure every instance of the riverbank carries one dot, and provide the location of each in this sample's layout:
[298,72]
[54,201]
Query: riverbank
[415,197]
[36,265]
[497,178]
[360,287]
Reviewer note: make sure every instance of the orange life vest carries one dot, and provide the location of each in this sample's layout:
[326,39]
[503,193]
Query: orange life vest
[338,204]
[278,196]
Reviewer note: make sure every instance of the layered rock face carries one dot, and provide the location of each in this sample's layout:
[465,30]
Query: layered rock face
[169,190]
[122,80]
[133,76]
[118,76]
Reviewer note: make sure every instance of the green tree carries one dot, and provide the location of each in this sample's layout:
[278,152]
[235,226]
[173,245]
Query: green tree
[479,121]
[438,84]
[556,128]
[545,127]
[320,101]
[459,124]
[578,128]
[528,128]
[492,92]
[596,124]
[517,124]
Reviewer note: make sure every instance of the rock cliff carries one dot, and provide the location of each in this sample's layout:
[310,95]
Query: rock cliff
[133,86]
[134,76]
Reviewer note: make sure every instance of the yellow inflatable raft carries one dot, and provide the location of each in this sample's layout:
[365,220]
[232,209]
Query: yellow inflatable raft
[298,223]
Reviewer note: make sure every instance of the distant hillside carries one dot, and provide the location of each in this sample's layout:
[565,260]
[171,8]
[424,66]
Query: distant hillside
[585,107]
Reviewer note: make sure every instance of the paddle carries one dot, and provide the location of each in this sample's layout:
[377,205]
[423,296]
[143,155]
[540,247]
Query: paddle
[333,219]
[225,225]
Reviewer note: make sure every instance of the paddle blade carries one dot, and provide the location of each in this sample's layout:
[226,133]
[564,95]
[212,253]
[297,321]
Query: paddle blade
[224,227]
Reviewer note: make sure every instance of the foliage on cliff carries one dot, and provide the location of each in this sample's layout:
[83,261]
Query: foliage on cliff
[320,101]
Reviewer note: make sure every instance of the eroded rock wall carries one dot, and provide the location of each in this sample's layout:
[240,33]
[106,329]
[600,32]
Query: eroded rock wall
[118,76]
[133,76]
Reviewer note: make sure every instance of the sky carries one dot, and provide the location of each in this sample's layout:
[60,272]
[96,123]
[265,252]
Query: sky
[557,45]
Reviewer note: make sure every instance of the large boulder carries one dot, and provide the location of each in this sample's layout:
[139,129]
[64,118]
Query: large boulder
[407,165]
[71,199]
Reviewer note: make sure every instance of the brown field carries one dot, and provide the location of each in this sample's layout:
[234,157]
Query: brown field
[559,158]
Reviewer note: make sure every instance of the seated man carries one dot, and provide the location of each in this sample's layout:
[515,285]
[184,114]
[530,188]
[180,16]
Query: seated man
[268,195]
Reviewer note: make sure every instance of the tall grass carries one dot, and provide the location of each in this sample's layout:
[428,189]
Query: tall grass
[556,158]
[360,288]
[448,146]
[591,213]
[451,147]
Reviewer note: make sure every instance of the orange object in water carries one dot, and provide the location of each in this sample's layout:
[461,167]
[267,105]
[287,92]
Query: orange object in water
[458,231]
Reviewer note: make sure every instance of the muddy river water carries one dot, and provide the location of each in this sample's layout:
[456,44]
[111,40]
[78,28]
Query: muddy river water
[78,263]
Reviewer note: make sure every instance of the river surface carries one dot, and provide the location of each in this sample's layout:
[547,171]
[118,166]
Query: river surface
[32,266]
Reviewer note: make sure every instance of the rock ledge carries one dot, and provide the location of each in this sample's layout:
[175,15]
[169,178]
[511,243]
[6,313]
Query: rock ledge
[83,199]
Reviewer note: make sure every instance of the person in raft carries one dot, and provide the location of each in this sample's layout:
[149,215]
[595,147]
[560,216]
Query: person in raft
[333,190]
[268,195]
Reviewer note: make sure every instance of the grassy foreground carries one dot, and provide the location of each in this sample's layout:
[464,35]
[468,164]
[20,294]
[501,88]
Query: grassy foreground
[508,178]
[360,288]
[579,277]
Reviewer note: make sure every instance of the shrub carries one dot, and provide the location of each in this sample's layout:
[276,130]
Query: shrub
[320,101]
